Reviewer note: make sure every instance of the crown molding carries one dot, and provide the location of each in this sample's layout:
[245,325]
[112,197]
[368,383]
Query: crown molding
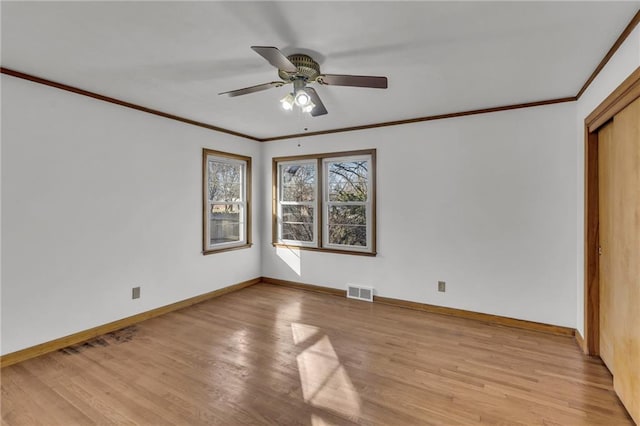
[619,41]
[137,107]
[421,119]
[120,102]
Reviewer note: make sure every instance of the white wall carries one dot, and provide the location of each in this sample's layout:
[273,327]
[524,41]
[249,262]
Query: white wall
[486,203]
[622,64]
[96,199]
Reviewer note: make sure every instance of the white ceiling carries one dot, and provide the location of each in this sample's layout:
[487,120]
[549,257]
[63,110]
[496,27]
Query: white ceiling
[439,57]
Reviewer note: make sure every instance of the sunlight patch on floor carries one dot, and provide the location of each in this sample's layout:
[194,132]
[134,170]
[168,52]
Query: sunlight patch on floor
[325,381]
[302,332]
[240,345]
[316,420]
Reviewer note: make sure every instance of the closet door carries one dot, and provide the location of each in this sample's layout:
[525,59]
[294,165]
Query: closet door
[619,231]
[625,241]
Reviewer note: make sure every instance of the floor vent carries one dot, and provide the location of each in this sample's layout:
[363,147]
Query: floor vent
[360,293]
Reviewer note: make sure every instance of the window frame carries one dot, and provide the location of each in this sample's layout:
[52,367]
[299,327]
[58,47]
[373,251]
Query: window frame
[313,204]
[245,203]
[321,208]
[327,203]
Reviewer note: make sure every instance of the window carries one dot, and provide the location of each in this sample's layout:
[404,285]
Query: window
[347,203]
[226,201]
[325,202]
[298,200]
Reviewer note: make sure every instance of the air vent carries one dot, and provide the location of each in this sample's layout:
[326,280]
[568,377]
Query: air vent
[360,293]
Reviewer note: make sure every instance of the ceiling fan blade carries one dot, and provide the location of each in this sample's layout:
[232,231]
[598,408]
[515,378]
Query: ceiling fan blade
[319,108]
[252,89]
[275,58]
[353,80]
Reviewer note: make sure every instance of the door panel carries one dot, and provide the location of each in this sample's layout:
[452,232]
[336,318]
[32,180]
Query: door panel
[625,255]
[607,310]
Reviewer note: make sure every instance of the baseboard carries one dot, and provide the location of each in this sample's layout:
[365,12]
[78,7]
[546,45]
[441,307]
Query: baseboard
[72,339]
[477,316]
[307,287]
[580,342]
[487,318]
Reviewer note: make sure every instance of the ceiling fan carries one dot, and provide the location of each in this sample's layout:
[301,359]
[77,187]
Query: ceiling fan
[301,70]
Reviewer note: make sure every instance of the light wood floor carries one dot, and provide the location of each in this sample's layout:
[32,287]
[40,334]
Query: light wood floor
[274,355]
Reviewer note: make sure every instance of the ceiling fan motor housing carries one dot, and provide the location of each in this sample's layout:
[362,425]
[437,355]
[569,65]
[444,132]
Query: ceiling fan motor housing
[308,69]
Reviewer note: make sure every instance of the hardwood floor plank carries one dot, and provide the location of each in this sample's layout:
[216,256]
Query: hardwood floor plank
[275,355]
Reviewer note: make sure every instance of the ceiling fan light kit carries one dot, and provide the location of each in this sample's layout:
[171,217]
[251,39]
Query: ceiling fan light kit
[287,102]
[301,70]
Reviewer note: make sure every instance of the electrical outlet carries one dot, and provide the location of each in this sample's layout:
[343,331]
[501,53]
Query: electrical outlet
[135,293]
[442,286]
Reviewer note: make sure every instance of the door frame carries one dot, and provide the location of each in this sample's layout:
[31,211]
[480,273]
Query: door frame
[627,92]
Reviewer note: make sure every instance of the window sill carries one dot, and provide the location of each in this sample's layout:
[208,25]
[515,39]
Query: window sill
[220,250]
[326,250]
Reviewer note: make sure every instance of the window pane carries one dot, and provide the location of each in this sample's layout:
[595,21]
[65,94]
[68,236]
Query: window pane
[224,181]
[298,214]
[225,222]
[349,235]
[347,215]
[297,223]
[297,231]
[348,180]
[348,225]
[297,182]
